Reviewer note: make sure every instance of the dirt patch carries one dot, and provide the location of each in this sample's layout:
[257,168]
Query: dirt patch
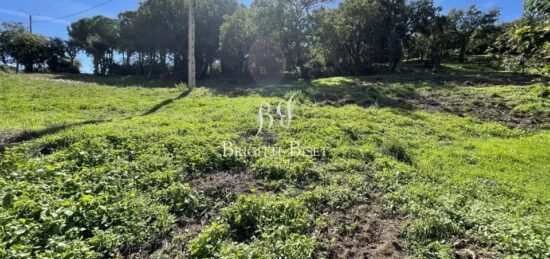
[465,249]
[176,246]
[360,232]
[490,79]
[226,185]
[7,138]
[223,188]
[484,107]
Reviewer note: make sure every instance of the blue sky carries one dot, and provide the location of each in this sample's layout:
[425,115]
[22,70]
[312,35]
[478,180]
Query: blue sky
[15,11]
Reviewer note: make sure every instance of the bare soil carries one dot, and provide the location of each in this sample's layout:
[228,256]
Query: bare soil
[226,185]
[7,138]
[361,232]
[223,187]
[484,107]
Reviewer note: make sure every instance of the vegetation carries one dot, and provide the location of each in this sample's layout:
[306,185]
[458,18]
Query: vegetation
[389,130]
[20,47]
[119,170]
[305,37]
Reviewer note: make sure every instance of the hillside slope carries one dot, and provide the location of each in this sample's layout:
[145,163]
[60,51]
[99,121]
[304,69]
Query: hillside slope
[383,169]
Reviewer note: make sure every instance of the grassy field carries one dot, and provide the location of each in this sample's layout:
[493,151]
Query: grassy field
[445,165]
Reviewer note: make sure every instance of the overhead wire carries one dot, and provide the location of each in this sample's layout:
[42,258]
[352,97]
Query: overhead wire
[76,13]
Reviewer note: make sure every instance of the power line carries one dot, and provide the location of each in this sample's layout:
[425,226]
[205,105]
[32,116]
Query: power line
[77,13]
[30,19]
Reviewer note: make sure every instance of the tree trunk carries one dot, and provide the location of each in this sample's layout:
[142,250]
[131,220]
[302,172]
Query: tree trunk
[304,73]
[177,62]
[151,63]
[462,56]
[28,67]
[191,60]
[111,59]
[128,58]
[104,62]
[96,64]
[162,60]
[141,65]
[397,55]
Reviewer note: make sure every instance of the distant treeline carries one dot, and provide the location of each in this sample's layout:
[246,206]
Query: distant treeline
[314,40]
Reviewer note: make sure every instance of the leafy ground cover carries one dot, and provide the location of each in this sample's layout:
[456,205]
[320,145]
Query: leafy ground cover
[49,103]
[402,176]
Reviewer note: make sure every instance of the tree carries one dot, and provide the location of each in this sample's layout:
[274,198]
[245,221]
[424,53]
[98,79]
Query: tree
[56,55]
[361,32]
[483,41]
[418,46]
[537,7]
[237,34]
[8,32]
[352,36]
[72,51]
[209,18]
[394,22]
[98,36]
[159,27]
[128,36]
[28,49]
[290,24]
[427,24]
[468,22]
[525,44]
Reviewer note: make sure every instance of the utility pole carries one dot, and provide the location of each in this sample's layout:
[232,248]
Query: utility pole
[30,20]
[191,52]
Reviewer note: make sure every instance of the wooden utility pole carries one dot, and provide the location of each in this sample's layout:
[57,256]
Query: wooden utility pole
[30,20]
[30,23]
[191,59]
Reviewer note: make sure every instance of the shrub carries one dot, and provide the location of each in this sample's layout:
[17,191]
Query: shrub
[395,150]
[181,199]
[271,225]
[209,241]
[293,170]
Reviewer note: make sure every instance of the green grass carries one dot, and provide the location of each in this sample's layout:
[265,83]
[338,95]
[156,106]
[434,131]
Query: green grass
[132,185]
[31,102]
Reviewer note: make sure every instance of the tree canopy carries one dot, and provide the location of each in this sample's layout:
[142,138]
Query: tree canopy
[355,37]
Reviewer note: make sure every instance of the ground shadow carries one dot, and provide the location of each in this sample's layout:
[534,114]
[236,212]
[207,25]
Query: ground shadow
[166,102]
[334,91]
[382,90]
[413,89]
[461,77]
[10,139]
[119,81]
[15,138]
